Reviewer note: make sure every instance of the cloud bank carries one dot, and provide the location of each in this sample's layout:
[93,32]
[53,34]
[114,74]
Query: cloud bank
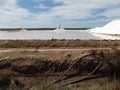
[69,13]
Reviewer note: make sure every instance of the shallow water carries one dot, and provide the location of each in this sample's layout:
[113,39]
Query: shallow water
[28,35]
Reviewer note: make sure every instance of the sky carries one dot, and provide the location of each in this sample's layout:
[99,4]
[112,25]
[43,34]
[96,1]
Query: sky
[51,13]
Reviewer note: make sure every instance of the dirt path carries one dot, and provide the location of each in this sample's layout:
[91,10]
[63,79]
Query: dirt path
[44,50]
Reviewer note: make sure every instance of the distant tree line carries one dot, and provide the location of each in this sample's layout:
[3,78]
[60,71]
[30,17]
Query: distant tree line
[16,29]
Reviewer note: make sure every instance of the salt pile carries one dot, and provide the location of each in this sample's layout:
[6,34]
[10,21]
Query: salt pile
[23,30]
[59,29]
[110,28]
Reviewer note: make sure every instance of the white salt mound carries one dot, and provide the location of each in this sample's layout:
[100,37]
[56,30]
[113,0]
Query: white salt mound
[23,30]
[59,30]
[110,28]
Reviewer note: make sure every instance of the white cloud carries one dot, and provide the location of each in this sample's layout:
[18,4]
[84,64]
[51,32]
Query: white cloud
[38,0]
[112,13]
[41,6]
[12,15]
[9,11]
[79,9]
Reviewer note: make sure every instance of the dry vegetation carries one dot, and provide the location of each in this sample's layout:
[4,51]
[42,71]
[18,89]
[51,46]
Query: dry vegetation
[33,70]
[58,43]
[34,73]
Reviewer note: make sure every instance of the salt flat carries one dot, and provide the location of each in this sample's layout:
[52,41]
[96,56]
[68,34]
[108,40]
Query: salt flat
[44,35]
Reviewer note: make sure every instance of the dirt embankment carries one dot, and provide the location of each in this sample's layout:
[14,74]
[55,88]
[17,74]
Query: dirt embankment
[43,65]
[29,69]
[58,43]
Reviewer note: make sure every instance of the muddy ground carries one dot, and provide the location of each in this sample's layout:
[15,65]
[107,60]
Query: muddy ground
[36,63]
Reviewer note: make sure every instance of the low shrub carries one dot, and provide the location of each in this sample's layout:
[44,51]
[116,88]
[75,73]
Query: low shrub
[5,80]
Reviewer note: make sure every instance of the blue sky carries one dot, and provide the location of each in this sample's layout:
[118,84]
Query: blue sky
[51,13]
